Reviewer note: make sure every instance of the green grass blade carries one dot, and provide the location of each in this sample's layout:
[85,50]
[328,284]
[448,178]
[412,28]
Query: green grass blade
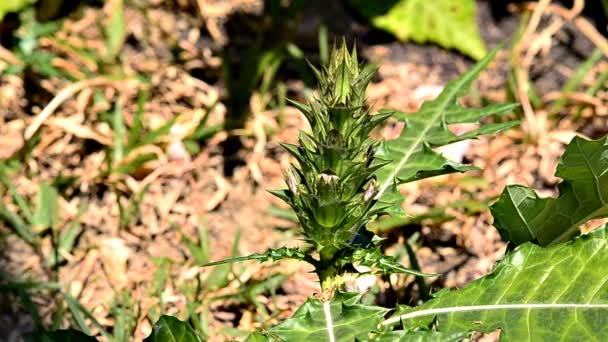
[115,30]
[30,307]
[15,222]
[137,127]
[78,310]
[47,207]
[576,79]
[118,126]
[26,211]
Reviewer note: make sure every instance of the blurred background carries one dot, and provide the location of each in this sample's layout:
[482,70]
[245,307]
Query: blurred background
[138,137]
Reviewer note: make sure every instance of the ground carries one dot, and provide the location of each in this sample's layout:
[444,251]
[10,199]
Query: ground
[143,260]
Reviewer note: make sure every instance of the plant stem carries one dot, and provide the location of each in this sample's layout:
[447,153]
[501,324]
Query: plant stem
[329,276]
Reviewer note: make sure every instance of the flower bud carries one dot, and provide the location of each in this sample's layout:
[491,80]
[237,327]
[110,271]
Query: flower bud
[328,187]
[371,190]
[292,182]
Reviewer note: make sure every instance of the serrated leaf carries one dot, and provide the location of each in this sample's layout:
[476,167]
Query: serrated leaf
[411,153]
[521,216]
[171,329]
[449,23]
[380,263]
[341,319]
[70,335]
[343,81]
[270,254]
[534,294]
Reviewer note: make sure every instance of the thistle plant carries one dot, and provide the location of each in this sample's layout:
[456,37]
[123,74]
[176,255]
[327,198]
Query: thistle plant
[342,179]
[332,187]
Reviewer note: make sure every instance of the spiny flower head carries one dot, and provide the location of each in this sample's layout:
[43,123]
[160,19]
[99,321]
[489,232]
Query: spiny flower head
[332,187]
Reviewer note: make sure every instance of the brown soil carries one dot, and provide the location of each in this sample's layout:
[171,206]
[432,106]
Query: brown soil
[222,186]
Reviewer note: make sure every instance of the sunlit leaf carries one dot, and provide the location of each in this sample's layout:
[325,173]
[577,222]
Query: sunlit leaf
[341,319]
[171,329]
[411,155]
[521,216]
[448,23]
[534,294]
[7,6]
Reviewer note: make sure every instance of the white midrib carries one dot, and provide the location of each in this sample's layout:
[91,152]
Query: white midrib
[438,112]
[490,307]
[521,216]
[329,321]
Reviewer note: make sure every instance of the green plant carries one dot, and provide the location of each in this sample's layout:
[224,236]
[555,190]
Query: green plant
[521,216]
[13,6]
[344,180]
[450,24]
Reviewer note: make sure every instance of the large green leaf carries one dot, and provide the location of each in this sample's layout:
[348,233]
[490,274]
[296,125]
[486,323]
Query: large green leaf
[448,23]
[7,6]
[171,329]
[557,293]
[418,336]
[411,156]
[341,319]
[521,216]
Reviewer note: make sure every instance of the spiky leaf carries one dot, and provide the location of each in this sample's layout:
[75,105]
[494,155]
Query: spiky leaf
[270,254]
[521,216]
[448,23]
[341,319]
[411,154]
[534,294]
[380,263]
[366,251]
[171,329]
